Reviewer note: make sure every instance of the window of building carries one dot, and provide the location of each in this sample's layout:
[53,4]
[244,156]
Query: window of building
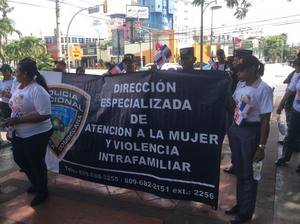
[62,40]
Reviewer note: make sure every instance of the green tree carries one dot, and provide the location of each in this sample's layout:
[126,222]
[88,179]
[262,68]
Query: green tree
[6,25]
[241,6]
[28,47]
[275,47]
[291,52]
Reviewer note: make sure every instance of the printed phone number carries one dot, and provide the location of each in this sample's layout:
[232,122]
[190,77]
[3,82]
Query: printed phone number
[99,176]
[149,184]
[167,189]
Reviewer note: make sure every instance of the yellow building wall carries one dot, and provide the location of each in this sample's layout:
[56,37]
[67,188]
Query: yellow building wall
[206,52]
[161,37]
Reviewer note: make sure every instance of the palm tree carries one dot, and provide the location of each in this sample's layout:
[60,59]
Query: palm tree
[11,52]
[32,47]
[6,25]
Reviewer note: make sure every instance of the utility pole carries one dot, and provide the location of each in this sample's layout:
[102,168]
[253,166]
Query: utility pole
[57,34]
[119,47]
[201,35]
[282,50]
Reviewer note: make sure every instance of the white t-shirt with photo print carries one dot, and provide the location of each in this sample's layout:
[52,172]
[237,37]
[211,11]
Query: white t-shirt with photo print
[258,96]
[294,86]
[5,86]
[31,100]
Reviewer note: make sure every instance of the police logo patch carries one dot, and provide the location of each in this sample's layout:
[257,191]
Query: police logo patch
[69,109]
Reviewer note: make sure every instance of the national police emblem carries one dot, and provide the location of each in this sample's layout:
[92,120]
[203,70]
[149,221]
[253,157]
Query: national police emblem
[69,110]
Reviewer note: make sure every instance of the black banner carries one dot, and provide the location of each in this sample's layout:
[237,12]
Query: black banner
[158,132]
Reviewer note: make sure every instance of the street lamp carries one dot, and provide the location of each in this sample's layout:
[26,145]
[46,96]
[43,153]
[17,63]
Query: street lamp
[91,10]
[148,30]
[215,7]
[99,43]
[204,6]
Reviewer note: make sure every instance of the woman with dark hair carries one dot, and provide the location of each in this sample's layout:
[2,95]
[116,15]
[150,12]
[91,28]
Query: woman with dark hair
[80,70]
[252,103]
[5,87]
[30,120]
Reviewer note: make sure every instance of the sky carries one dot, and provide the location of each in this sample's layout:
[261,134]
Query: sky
[38,19]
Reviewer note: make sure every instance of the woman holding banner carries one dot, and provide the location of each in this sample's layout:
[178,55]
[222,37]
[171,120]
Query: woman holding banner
[252,103]
[30,120]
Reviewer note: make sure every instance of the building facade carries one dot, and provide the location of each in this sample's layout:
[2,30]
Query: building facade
[89,45]
[160,13]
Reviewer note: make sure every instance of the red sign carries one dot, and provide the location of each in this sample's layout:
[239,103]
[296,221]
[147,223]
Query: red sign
[52,50]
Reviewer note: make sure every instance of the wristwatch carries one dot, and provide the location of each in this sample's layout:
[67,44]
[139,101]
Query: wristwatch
[261,146]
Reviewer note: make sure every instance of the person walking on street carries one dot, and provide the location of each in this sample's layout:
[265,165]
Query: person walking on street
[252,102]
[221,64]
[129,63]
[187,59]
[80,70]
[32,128]
[60,66]
[5,87]
[290,141]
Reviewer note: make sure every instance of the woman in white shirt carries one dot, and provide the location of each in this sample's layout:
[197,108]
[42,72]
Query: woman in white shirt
[5,87]
[30,119]
[252,103]
[294,117]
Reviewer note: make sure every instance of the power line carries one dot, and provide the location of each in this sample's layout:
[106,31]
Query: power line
[227,29]
[53,8]
[236,28]
[87,1]
[66,3]
[29,4]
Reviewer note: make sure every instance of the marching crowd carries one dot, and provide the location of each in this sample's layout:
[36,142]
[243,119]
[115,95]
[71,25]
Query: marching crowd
[25,110]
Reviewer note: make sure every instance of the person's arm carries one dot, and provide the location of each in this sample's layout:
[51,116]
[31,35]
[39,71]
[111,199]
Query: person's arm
[42,108]
[289,78]
[231,104]
[264,134]
[290,90]
[280,107]
[32,118]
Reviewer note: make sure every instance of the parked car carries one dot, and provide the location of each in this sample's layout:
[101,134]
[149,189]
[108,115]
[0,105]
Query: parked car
[171,66]
[147,67]
[205,66]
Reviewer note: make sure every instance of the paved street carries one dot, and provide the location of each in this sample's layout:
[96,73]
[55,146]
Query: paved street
[79,202]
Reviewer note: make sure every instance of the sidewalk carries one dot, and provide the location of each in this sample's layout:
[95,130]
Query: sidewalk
[80,202]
